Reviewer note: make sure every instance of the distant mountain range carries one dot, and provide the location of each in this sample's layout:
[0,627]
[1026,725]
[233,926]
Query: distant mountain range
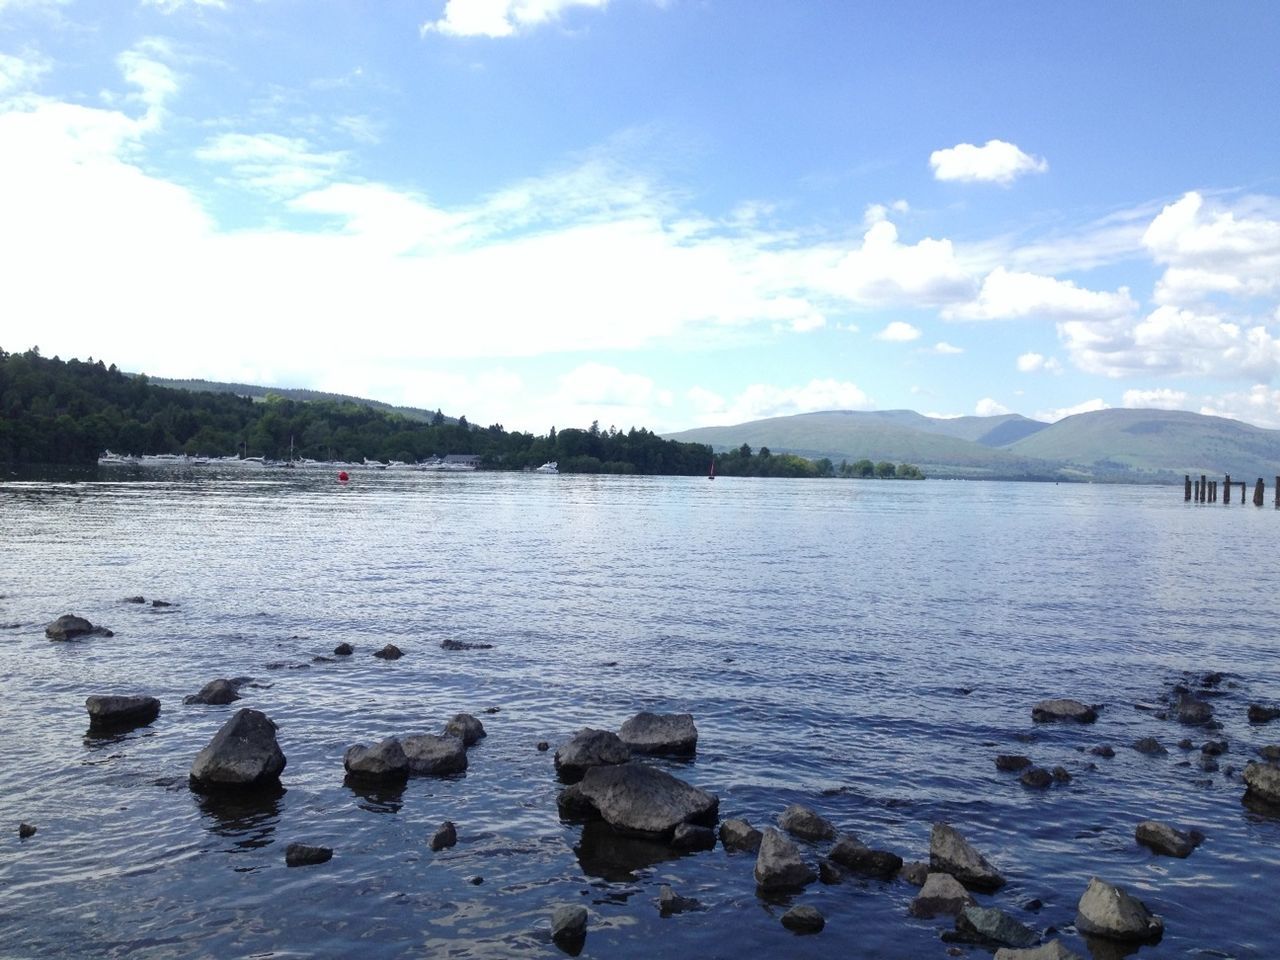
[1133,446]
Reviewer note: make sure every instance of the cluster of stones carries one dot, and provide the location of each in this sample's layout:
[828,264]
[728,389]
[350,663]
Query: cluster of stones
[395,759]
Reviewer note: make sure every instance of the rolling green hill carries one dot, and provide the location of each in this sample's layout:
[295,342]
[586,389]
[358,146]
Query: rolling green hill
[291,393]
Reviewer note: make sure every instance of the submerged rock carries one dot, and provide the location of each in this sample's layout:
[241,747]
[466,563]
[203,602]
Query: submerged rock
[1262,714]
[1163,838]
[302,855]
[26,830]
[385,761]
[109,711]
[1150,746]
[949,852]
[1270,752]
[1104,750]
[1063,711]
[389,652]
[915,873]
[215,692]
[1053,950]
[688,836]
[804,919]
[430,755]
[1262,782]
[70,627]
[942,894]
[1011,763]
[569,927]
[446,836]
[736,834]
[134,600]
[1037,778]
[672,734]
[242,754]
[636,798]
[1193,712]
[803,822]
[467,727]
[344,650]
[991,927]
[589,748]
[463,645]
[779,865]
[1108,911]
[670,902]
[856,856]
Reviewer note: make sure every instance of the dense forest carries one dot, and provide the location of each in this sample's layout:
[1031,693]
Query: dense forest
[69,412]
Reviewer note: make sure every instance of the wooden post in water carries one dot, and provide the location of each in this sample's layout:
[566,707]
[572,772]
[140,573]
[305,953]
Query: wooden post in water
[1213,491]
[1195,497]
[1258,490]
[1186,491]
[1278,491]
[1204,488]
[1226,489]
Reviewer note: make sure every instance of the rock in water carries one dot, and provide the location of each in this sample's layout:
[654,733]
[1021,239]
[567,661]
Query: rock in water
[586,749]
[803,919]
[1193,712]
[670,902]
[800,821]
[108,712]
[389,652]
[1262,782]
[1053,950]
[433,756]
[738,834]
[1150,746]
[951,853]
[1037,778]
[1057,711]
[1162,838]
[569,927]
[854,855]
[941,894]
[636,798]
[241,755]
[69,627]
[215,692]
[992,927]
[1107,911]
[446,835]
[687,836]
[344,650]
[302,855]
[384,762]
[26,830]
[467,727]
[916,873]
[672,734]
[1011,762]
[778,864]
[1258,713]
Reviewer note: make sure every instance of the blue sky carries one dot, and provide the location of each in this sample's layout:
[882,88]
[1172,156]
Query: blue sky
[664,214]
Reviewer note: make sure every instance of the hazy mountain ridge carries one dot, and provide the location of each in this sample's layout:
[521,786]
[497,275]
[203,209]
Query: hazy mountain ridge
[1142,446]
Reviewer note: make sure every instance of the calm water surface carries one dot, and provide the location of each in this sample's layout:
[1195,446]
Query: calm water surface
[866,648]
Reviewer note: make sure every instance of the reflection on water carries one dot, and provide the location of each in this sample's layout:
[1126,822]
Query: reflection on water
[603,852]
[377,797]
[249,818]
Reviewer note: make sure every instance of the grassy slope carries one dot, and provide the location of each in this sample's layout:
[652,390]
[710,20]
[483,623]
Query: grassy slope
[291,393]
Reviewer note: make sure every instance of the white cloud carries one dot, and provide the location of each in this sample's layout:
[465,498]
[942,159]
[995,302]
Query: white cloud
[172,6]
[947,349]
[898,331]
[995,162]
[1009,295]
[143,66]
[1038,362]
[1259,405]
[500,18]
[885,271]
[1213,251]
[987,407]
[1088,406]
[21,73]
[1171,342]
[759,401]
[1159,399]
[270,163]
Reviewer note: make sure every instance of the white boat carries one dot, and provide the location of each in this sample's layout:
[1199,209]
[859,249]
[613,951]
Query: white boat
[551,466]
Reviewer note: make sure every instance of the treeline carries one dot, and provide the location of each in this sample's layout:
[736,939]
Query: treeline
[743,462]
[59,412]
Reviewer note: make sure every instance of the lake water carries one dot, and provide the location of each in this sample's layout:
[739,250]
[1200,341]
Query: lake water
[866,648]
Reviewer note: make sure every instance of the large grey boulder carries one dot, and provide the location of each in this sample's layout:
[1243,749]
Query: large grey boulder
[779,865]
[1063,711]
[469,728]
[803,918]
[951,853]
[569,927]
[636,798]
[941,894]
[1262,782]
[736,834]
[1108,911]
[992,927]
[242,754]
[586,749]
[433,756]
[70,627]
[113,712]
[385,761]
[803,822]
[1053,950]
[215,692]
[853,854]
[1166,839]
[672,734]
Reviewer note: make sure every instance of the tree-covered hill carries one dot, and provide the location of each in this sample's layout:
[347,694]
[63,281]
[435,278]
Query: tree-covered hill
[59,412]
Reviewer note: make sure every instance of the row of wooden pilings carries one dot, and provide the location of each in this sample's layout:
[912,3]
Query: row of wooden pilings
[1206,491]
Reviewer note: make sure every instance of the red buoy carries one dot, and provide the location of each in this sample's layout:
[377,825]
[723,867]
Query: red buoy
[342,476]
